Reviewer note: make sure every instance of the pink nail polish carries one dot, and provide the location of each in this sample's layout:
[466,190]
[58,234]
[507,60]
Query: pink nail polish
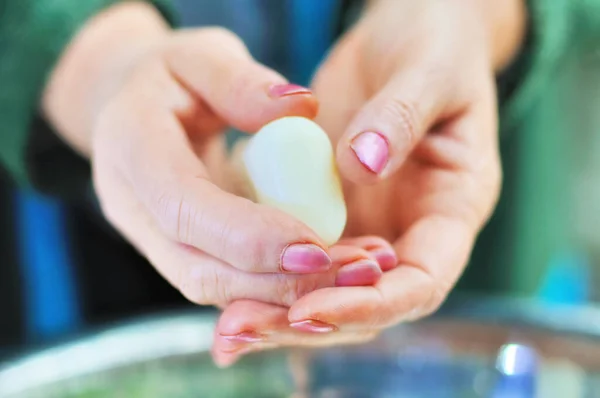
[285,90]
[312,326]
[372,150]
[304,259]
[358,273]
[387,259]
[244,337]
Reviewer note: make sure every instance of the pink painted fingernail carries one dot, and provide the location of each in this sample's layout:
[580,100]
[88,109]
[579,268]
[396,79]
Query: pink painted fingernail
[244,337]
[305,259]
[312,326]
[288,89]
[387,259]
[359,273]
[372,150]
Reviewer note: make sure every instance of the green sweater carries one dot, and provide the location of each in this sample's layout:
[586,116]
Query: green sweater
[546,98]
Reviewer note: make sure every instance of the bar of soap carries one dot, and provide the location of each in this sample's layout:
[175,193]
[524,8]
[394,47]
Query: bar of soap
[290,165]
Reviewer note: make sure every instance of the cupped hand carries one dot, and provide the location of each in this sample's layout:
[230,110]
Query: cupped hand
[159,171]
[146,104]
[408,97]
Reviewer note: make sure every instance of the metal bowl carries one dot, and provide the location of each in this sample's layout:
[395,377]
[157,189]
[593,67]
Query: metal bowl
[472,348]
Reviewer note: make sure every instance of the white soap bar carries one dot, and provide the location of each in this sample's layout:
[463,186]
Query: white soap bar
[290,165]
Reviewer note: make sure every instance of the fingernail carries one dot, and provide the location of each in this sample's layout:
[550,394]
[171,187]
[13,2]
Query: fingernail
[387,259]
[372,150]
[312,326]
[244,337]
[359,273]
[288,89]
[304,259]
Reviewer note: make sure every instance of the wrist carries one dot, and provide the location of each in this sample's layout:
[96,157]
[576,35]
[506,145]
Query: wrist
[501,23]
[94,65]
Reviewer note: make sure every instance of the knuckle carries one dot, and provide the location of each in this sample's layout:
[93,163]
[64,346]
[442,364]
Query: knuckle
[194,292]
[239,83]
[185,221]
[220,287]
[177,216]
[254,256]
[167,208]
[404,116]
[207,288]
[245,248]
[291,288]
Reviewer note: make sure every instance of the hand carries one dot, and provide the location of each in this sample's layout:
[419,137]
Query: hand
[408,96]
[146,107]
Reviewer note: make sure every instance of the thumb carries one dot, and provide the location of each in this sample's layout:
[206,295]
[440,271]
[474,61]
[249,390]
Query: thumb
[387,128]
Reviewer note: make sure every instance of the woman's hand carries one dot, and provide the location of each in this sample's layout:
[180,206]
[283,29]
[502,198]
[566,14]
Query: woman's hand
[409,98]
[145,104]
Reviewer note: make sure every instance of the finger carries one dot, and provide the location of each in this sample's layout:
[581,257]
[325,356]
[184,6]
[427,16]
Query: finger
[383,133]
[432,254]
[149,147]
[228,356]
[217,67]
[201,278]
[377,247]
[336,86]
[240,325]
[356,267]
[248,326]
[206,280]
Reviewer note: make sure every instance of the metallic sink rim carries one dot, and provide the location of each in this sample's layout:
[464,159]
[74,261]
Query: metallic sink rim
[192,333]
[124,345]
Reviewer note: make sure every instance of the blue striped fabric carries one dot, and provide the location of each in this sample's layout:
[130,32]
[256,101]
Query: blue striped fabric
[51,301]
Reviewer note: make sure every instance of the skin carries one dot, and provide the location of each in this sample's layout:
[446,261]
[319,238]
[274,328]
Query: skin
[430,92]
[147,104]
[147,110]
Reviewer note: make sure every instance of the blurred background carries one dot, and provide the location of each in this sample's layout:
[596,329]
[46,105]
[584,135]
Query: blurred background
[549,251]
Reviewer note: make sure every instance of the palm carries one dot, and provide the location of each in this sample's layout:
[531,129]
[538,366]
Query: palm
[417,190]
